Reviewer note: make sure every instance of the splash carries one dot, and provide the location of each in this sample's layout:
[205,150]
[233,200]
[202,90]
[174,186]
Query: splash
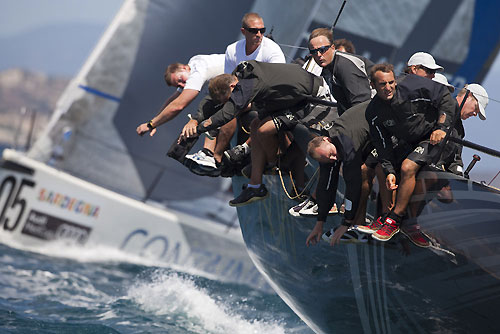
[179,300]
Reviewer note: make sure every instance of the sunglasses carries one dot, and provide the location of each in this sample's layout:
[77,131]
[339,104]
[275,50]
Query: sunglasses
[427,70]
[321,50]
[256,30]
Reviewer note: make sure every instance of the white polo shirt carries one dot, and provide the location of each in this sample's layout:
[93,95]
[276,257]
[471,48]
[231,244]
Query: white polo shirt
[268,51]
[204,68]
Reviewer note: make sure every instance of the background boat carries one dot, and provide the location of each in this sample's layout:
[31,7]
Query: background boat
[90,181]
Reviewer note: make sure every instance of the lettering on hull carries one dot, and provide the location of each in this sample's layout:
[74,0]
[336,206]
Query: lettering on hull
[46,227]
[161,248]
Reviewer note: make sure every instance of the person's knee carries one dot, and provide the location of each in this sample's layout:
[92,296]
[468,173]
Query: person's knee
[254,128]
[367,173]
[409,168]
[266,129]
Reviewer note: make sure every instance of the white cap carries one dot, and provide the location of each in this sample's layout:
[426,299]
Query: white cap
[438,77]
[481,96]
[424,59]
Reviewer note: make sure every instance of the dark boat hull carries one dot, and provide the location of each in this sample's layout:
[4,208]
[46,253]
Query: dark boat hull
[452,286]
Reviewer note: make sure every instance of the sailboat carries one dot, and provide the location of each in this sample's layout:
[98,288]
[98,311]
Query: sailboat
[450,284]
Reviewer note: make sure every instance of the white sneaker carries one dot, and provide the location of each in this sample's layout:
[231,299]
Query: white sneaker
[310,211]
[203,158]
[307,203]
[313,210]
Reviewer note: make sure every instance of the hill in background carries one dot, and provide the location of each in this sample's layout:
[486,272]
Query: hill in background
[35,67]
[22,93]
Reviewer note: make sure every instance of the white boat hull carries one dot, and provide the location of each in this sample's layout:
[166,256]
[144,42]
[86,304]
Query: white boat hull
[41,206]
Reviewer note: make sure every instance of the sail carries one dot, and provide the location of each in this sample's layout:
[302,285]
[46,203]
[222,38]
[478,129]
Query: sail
[460,34]
[92,132]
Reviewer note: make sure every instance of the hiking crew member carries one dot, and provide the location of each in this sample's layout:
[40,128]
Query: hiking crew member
[347,79]
[416,110]
[344,45]
[278,92]
[253,47]
[347,143]
[423,65]
[346,74]
[475,105]
[189,80]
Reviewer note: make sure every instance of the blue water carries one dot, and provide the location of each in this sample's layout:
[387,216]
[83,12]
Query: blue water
[47,294]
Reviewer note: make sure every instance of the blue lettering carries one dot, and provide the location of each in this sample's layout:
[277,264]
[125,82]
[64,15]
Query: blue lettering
[174,254]
[227,267]
[211,266]
[238,271]
[201,257]
[153,240]
[131,235]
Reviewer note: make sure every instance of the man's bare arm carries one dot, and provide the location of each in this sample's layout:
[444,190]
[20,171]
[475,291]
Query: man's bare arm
[171,98]
[171,110]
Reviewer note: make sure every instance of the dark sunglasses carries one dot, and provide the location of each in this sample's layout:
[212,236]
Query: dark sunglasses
[256,30]
[321,50]
[427,70]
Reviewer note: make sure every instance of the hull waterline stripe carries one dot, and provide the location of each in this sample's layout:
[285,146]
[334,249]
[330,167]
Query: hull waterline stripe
[99,93]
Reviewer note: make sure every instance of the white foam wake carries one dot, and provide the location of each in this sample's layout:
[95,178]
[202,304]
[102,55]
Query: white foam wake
[100,254]
[181,301]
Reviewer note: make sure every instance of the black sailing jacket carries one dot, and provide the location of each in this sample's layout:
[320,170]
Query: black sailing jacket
[269,87]
[419,107]
[347,77]
[350,135]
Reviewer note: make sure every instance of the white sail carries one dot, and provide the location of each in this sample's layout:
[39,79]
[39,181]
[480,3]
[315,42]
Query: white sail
[89,117]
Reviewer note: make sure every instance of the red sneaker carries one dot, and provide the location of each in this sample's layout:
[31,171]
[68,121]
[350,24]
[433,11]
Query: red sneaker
[387,231]
[412,231]
[334,210]
[372,228]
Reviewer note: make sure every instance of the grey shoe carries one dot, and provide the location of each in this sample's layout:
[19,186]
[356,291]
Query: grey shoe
[237,154]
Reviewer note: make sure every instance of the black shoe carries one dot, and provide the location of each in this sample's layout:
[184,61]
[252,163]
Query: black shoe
[249,195]
[237,154]
[226,168]
[197,169]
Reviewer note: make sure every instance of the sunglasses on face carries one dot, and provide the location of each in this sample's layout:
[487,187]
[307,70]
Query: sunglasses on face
[256,30]
[427,70]
[321,50]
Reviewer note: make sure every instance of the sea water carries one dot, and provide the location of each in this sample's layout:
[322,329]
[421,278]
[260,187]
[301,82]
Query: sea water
[87,293]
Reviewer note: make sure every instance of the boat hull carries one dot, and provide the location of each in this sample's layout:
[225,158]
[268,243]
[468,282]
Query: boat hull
[452,286]
[49,211]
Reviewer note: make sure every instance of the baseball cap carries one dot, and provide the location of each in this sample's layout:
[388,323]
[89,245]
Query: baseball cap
[424,59]
[438,77]
[481,96]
